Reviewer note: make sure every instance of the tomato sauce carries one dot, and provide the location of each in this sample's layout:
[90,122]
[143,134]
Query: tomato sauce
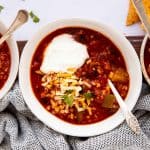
[5,62]
[105,58]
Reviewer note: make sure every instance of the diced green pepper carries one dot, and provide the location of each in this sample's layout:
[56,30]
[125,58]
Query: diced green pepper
[108,101]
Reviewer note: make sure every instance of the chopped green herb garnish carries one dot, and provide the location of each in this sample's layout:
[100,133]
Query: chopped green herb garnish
[108,101]
[1,8]
[68,99]
[88,95]
[34,17]
[68,91]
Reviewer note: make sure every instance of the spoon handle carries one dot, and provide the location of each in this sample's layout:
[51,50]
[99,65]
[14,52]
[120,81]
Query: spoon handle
[132,122]
[130,118]
[20,19]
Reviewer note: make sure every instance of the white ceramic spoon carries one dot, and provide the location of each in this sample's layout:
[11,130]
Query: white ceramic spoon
[20,19]
[130,118]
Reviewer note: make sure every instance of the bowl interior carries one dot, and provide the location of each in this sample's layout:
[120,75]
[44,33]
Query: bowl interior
[146,76]
[133,67]
[14,62]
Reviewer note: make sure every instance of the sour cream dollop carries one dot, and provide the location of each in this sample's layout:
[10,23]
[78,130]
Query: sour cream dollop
[62,53]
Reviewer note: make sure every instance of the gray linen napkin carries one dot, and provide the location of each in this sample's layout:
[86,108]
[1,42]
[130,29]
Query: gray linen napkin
[20,130]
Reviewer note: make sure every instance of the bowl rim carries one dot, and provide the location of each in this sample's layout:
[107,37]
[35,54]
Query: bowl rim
[58,124]
[142,50]
[14,54]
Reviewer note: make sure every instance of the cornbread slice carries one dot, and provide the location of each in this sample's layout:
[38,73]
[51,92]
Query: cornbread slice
[132,16]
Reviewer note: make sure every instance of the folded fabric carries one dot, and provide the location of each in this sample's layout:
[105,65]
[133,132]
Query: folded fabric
[21,130]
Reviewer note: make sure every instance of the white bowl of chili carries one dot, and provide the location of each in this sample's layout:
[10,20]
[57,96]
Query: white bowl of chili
[9,61]
[78,101]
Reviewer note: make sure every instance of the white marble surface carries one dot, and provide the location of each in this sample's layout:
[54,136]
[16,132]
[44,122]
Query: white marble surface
[111,12]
